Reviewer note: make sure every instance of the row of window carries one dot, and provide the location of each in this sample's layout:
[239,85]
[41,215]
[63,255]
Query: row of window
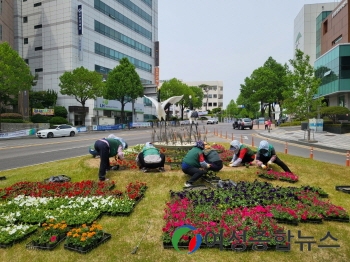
[115,35]
[104,71]
[135,9]
[35,5]
[213,104]
[213,96]
[115,55]
[107,10]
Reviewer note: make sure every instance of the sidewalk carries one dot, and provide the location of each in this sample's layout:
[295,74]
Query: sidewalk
[324,140]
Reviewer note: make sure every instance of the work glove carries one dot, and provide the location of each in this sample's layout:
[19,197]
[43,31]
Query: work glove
[263,166]
[269,163]
[208,165]
[231,164]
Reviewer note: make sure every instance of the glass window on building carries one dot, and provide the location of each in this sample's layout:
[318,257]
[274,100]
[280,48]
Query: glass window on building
[107,113]
[221,88]
[210,96]
[25,41]
[210,104]
[345,67]
[341,100]
[215,104]
[25,19]
[204,104]
[215,96]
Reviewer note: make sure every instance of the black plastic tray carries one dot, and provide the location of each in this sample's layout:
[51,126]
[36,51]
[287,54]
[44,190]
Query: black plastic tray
[31,245]
[105,238]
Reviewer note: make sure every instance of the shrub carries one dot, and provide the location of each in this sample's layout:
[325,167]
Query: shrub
[40,119]
[61,111]
[11,116]
[332,112]
[57,120]
[12,120]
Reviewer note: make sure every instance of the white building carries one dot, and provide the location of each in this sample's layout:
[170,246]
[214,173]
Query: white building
[60,35]
[305,37]
[214,97]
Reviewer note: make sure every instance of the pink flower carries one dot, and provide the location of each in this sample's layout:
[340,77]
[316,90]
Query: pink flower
[53,239]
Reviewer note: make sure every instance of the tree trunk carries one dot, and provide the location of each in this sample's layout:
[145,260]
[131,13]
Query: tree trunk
[84,114]
[122,116]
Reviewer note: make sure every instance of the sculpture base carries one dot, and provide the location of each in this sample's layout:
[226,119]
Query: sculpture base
[170,145]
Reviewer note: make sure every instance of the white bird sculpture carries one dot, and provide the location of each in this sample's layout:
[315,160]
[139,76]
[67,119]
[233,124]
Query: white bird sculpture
[161,105]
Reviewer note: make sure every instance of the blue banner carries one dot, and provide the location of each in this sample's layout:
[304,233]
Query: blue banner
[80,19]
[107,127]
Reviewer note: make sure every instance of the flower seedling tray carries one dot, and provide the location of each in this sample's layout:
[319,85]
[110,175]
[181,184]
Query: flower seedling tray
[195,187]
[17,240]
[105,238]
[32,245]
[337,219]
[345,189]
[293,222]
[168,245]
[312,220]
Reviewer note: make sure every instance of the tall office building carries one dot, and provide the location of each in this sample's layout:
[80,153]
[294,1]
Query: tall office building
[60,35]
[6,22]
[306,34]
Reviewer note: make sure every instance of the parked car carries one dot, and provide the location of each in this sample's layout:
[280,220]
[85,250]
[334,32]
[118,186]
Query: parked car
[243,123]
[57,131]
[212,121]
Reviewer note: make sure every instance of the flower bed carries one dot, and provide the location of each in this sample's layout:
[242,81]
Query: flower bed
[74,210]
[244,209]
[69,189]
[282,176]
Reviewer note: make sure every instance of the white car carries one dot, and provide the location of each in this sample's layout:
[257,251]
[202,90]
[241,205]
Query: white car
[212,121]
[57,131]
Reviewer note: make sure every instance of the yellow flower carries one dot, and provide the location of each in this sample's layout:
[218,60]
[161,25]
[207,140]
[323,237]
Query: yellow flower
[82,239]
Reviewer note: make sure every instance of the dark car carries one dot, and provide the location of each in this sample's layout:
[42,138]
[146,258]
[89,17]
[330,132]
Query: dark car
[243,123]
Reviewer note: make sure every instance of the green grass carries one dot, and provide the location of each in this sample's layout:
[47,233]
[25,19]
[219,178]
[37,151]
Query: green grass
[127,231]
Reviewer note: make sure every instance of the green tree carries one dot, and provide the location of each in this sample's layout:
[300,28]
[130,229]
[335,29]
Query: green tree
[333,112]
[197,97]
[299,98]
[123,84]
[231,109]
[175,87]
[42,99]
[82,84]
[266,84]
[15,74]
[250,108]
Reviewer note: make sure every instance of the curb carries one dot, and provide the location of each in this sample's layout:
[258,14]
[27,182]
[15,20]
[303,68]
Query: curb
[306,144]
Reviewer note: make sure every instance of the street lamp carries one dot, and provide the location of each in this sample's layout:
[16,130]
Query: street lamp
[191,106]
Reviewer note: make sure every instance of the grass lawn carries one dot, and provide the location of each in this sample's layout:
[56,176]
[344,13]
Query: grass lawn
[127,231]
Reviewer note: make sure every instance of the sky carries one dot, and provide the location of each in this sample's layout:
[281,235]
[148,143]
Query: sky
[224,40]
